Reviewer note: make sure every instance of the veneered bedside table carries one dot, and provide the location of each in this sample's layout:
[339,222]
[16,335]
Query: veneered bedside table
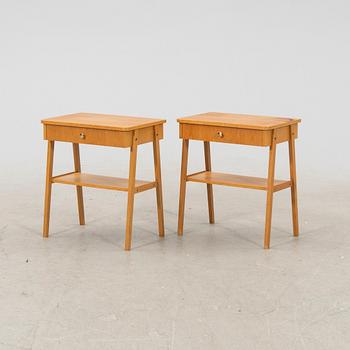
[104,130]
[245,130]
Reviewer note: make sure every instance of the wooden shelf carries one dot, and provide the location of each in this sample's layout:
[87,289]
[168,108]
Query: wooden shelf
[98,181]
[256,183]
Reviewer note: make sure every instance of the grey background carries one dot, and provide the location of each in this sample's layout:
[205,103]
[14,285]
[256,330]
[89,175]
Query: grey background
[168,59]
[216,288]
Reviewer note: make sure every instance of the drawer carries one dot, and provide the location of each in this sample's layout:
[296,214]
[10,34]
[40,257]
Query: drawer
[226,135]
[236,135]
[88,136]
[100,136]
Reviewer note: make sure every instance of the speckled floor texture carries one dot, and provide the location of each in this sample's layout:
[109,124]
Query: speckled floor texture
[215,288]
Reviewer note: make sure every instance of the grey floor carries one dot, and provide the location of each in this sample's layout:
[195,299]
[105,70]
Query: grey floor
[215,288]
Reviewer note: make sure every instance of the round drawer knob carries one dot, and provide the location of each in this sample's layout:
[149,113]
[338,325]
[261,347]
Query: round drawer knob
[220,134]
[82,136]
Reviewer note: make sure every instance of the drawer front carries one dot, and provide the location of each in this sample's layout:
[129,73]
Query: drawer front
[88,136]
[226,135]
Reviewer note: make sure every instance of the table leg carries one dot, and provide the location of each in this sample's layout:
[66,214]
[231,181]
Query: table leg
[269,199]
[293,179]
[77,168]
[158,178]
[209,186]
[131,192]
[48,187]
[185,144]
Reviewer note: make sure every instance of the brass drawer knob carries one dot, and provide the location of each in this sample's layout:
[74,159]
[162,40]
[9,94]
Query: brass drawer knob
[82,136]
[220,134]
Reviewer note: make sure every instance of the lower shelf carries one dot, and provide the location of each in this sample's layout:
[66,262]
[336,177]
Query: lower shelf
[98,181]
[256,183]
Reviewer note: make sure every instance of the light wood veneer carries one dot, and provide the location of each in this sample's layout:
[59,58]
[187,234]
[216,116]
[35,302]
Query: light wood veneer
[246,130]
[104,130]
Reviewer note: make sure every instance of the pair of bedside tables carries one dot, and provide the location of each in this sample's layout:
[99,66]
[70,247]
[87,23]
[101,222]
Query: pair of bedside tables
[130,132]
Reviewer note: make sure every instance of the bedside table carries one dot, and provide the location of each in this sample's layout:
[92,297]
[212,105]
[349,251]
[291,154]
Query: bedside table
[104,130]
[245,130]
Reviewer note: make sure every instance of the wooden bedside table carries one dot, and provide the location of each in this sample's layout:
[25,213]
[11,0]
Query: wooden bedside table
[245,130]
[104,130]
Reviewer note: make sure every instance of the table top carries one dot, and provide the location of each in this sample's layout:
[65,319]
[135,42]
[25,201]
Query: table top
[103,121]
[242,121]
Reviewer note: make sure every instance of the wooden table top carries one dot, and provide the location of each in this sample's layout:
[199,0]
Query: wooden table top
[242,121]
[103,121]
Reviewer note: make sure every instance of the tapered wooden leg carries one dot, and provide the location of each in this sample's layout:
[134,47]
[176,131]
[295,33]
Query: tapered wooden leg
[158,178]
[183,180]
[77,168]
[293,179]
[48,187]
[131,192]
[269,199]
[209,186]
